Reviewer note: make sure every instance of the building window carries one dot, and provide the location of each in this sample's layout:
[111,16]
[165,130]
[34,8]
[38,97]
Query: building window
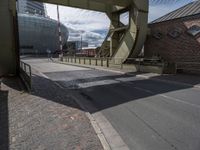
[158,35]
[175,33]
[194,30]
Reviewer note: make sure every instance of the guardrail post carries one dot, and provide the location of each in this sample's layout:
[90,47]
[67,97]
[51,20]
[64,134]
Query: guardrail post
[90,61]
[107,62]
[84,61]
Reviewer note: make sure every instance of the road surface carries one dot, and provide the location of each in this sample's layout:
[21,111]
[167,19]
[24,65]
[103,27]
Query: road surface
[147,114]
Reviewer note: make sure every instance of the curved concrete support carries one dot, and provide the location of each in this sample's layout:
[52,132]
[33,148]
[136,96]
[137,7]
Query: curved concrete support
[141,34]
[105,47]
[122,50]
[96,5]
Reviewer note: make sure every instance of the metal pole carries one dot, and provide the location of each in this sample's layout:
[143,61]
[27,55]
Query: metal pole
[60,35]
[81,43]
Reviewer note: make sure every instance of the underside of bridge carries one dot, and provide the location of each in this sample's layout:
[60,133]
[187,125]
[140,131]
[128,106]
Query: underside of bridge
[122,41]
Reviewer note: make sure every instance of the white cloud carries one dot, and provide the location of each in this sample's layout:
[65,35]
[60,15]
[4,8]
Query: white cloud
[92,38]
[95,24]
[92,23]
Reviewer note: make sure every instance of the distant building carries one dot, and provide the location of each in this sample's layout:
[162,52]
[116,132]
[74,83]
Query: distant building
[38,33]
[32,7]
[87,52]
[176,36]
[75,46]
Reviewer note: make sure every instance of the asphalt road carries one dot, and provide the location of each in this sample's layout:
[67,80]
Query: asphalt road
[147,114]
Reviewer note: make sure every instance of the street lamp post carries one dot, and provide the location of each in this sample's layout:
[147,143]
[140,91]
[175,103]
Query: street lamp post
[81,42]
[60,35]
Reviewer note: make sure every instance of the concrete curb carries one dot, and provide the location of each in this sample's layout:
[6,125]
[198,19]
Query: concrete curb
[95,126]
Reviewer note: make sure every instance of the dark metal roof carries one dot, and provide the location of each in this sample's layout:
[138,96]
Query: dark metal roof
[190,9]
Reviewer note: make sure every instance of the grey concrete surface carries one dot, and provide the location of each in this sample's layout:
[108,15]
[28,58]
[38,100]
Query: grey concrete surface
[147,114]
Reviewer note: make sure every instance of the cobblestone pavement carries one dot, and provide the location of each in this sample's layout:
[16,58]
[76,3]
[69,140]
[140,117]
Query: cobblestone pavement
[46,119]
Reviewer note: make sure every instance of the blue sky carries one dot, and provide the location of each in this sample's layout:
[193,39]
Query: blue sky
[158,10]
[94,25]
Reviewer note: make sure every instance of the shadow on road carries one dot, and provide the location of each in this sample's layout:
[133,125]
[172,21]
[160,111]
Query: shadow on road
[104,91]
[105,95]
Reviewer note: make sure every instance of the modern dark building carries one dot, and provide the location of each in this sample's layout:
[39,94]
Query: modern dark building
[38,33]
[31,7]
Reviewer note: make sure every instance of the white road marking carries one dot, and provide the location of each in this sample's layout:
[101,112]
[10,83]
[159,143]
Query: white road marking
[97,83]
[167,97]
[178,100]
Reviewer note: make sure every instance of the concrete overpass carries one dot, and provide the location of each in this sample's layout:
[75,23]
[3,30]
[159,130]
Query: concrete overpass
[126,41]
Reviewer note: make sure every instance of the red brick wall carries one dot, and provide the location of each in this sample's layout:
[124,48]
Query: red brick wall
[184,48]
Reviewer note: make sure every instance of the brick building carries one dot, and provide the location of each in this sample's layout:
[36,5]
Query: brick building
[175,37]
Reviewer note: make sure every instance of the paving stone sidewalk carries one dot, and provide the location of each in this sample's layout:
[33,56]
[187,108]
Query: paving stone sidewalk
[46,119]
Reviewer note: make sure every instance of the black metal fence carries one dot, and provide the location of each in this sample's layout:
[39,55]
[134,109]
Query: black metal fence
[26,74]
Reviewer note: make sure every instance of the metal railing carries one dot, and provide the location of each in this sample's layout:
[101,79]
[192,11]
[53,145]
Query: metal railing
[103,62]
[107,61]
[26,74]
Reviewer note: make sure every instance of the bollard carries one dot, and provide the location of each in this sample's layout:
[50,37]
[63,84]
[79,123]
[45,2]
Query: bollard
[107,62]
[101,62]
[90,62]
[96,62]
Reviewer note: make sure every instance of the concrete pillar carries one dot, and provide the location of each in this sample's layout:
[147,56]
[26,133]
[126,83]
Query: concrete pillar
[9,58]
[114,42]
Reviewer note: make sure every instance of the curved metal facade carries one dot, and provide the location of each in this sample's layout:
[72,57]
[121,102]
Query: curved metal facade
[37,34]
